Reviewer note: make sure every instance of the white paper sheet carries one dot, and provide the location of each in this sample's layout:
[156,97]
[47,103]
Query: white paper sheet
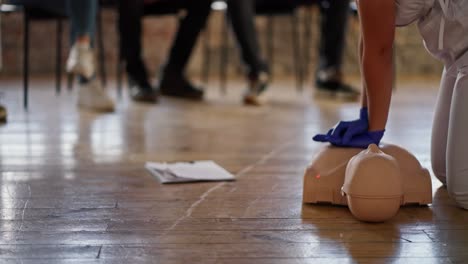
[204,170]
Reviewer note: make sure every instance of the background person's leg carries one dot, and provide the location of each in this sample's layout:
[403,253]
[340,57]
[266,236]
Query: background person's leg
[130,29]
[187,35]
[82,27]
[241,14]
[130,15]
[334,20]
[81,60]
[242,17]
[457,147]
[173,82]
[83,19]
[440,126]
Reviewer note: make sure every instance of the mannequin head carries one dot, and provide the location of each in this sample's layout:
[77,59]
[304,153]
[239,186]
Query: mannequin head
[373,185]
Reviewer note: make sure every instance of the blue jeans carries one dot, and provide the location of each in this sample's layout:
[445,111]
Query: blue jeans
[83,18]
[82,13]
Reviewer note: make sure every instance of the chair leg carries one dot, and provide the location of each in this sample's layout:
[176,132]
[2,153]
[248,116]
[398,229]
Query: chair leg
[70,80]
[26,61]
[120,63]
[206,56]
[270,43]
[102,61]
[394,70]
[307,39]
[296,48]
[119,76]
[1,45]
[58,58]
[224,56]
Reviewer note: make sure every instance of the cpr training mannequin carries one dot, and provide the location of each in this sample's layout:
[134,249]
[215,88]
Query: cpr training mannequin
[385,178]
[373,185]
[443,25]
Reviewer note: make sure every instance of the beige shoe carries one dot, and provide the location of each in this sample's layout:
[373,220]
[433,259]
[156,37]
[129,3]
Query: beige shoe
[256,88]
[91,96]
[81,61]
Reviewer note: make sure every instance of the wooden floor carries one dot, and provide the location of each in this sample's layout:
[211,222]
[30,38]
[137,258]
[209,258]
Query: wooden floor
[74,190]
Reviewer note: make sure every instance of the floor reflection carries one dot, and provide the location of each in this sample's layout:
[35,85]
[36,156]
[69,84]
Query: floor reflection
[73,181]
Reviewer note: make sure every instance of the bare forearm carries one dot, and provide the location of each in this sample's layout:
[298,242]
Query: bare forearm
[363,82]
[377,71]
[378,30]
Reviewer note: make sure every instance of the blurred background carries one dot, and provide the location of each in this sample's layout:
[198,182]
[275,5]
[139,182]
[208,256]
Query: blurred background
[158,32]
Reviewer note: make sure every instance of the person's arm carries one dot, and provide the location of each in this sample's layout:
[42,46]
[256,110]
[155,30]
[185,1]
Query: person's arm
[376,58]
[378,32]
[363,82]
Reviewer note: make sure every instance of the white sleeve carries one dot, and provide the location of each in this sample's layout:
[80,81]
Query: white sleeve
[458,10]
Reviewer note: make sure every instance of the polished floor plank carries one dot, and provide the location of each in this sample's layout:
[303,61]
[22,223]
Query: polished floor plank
[339,261]
[138,260]
[257,209]
[56,225]
[214,237]
[49,251]
[289,250]
[73,188]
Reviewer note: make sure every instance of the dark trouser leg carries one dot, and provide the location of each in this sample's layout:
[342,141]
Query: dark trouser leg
[186,37]
[242,16]
[333,29]
[130,15]
[328,79]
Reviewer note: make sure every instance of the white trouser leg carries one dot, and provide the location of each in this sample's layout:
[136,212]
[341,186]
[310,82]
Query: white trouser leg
[440,126]
[457,145]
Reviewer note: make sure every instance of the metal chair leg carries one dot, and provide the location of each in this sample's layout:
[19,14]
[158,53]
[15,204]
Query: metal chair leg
[70,80]
[58,58]
[224,56]
[296,49]
[1,45]
[102,61]
[394,70]
[26,61]
[205,72]
[119,76]
[307,39]
[270,43]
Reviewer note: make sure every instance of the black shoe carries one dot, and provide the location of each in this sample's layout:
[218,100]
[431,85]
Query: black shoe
[177,86]
[336,90]
[3,114]
[141,91]
[257,86]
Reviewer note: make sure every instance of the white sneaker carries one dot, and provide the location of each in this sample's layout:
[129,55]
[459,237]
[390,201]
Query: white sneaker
[81,60]
[92,97]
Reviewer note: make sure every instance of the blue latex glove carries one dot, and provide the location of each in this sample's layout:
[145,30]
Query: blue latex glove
[345,130]
[323,137]
[362,140]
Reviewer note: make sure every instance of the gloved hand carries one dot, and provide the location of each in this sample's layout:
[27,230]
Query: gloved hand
[345,130]
[323,137]
[362,140]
